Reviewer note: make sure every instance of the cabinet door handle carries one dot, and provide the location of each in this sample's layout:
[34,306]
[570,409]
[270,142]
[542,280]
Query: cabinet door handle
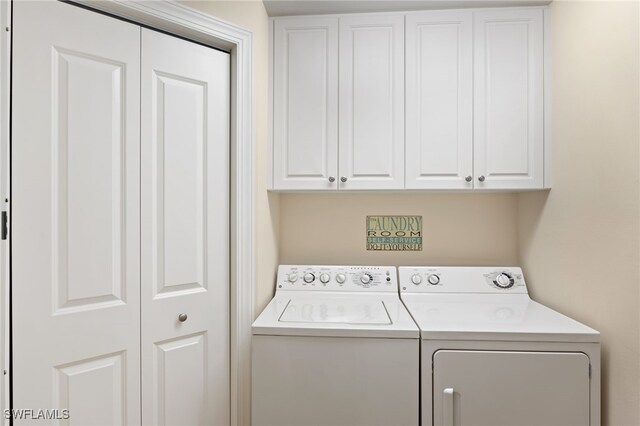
[481,178]
[468,178]
[332,179]
[343,179]
[447,407]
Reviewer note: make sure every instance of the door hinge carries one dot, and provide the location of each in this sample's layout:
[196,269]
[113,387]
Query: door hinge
[5,225]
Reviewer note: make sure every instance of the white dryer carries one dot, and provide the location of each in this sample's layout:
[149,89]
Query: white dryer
[335,346]
[492,356]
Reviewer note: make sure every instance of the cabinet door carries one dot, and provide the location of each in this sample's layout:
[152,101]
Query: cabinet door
[372,102]
[498,388]
[439,144]
[305,117]
[508,109]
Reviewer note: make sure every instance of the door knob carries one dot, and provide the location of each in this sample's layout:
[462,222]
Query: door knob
[343,179]
[468,178]
[182,317]
[332,179]
[481,178]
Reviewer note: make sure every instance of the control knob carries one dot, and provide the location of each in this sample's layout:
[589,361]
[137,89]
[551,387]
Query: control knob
[433,279]
[341,278]
[324,278]
[416,279]
[504,280]
[365,278]
[309,277]
[292,277]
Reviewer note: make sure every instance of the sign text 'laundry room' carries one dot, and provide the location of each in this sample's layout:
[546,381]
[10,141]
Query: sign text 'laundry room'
[394,233]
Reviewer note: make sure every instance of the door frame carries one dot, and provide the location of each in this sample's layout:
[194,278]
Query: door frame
[5,179]
[189,23]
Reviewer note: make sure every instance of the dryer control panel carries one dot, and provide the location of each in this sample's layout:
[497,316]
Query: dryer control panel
[337,278]
[462,279]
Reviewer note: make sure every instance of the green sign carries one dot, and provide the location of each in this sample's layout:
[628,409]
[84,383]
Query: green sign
[394,233]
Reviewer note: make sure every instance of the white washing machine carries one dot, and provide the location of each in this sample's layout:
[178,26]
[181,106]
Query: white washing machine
[492,356]
[335,346]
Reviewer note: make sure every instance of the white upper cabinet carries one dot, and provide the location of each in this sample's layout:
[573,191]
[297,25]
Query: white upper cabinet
[439,140]
[371,122]
[433,100]
[305,115]
[509,99]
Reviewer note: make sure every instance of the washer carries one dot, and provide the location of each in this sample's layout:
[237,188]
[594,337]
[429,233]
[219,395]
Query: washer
[492,356]
[335,346]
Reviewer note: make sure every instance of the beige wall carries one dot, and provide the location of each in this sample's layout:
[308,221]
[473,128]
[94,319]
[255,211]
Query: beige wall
[579,244]
[459,229]
[252,16]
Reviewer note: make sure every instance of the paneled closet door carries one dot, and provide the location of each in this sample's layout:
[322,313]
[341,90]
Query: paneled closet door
[439,115]
[185,232]
[305,117]
[76,218]
[508,99]
[371,128]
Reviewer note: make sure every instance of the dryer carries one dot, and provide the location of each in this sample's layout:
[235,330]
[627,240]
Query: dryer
[492,356]
[335,346]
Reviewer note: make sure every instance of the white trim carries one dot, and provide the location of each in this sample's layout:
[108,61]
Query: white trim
[406,12]
[5,179]
[270,139]
[548,154]
[186,22]
[280,9]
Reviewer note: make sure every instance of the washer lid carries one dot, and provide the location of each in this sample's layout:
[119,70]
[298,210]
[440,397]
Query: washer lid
[335,310]
[336,314]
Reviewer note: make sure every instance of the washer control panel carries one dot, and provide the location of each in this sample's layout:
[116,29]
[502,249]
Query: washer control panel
[464,279]
[337,278]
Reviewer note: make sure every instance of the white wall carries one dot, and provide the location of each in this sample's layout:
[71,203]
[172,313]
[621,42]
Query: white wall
[579,243]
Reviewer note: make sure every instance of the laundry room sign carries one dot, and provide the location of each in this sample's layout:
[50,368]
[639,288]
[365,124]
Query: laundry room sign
[394,233]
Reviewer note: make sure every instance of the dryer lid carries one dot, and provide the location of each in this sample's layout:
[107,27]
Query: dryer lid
[335,310]
[490,317]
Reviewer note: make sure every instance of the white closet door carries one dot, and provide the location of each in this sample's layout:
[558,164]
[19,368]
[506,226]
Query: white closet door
[76,217]
[305,117]
[371,125]
[439,115]
[508,99]
[185,232]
